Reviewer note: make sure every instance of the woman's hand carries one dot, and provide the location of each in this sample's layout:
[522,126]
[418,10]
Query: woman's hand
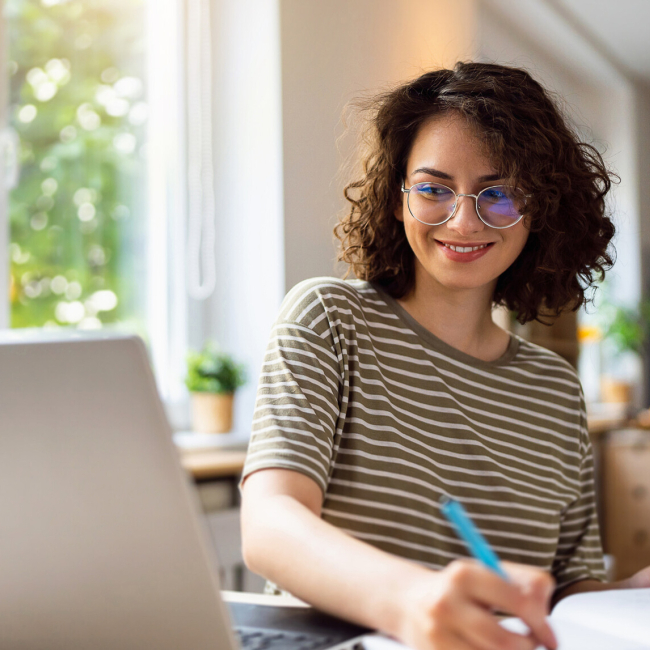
[640,580]
[453,609]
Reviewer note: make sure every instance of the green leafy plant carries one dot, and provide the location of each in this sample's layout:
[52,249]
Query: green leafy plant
[628,327]
[213,371]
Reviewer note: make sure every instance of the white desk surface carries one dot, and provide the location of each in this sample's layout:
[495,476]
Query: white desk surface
[262,599]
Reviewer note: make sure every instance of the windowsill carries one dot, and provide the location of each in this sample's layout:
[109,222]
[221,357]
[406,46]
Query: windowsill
[190,442]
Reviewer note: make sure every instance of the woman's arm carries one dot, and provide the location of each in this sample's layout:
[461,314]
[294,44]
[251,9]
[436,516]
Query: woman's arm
[640,580]
[286,541]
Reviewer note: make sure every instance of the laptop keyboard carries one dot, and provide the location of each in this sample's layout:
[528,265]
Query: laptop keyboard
[251,638]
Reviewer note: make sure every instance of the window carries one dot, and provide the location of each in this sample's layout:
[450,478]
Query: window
[96,180]
[77,214]
[148,55]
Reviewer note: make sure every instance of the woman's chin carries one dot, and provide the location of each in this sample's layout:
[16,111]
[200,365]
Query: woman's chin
[460,281]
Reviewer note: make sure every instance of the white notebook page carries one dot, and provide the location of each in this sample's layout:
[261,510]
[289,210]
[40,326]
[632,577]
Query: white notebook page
[572,636]
[604,620]
[623,613]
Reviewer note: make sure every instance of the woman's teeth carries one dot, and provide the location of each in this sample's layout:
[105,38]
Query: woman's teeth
[465,249]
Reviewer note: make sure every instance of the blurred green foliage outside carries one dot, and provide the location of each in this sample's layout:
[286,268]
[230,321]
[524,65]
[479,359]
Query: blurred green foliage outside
[78,213]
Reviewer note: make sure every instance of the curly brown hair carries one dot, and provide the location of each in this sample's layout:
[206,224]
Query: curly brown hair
[531,144]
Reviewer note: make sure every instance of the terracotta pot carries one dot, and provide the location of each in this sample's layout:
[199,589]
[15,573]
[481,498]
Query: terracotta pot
[212,413]
[612,390]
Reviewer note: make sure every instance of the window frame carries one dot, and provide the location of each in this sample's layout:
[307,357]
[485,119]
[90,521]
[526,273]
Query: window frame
[167,297]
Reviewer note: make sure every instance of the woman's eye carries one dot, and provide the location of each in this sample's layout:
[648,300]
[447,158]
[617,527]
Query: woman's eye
[495,195]
[432,191]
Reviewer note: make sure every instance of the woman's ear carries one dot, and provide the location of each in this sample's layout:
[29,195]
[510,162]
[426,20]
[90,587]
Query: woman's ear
[399,212]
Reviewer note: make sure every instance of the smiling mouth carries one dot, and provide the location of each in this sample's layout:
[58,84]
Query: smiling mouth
[465,249]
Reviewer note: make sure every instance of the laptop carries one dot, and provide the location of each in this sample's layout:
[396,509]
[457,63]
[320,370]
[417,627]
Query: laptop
[101,540]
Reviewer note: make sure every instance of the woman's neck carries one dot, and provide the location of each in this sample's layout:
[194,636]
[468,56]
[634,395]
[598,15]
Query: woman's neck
[461,318]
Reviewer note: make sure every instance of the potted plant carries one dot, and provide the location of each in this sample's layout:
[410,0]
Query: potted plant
[627,329]
[212,379]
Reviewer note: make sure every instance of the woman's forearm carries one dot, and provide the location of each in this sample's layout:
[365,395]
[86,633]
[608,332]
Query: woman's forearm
[287,543]
[285,540]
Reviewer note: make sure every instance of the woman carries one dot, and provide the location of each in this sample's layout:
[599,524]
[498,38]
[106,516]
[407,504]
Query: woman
[380,395]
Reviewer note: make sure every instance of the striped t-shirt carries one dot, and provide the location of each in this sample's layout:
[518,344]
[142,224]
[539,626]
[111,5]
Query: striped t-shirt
[386,418]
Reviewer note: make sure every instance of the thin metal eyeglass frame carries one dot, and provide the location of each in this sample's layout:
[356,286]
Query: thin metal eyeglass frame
[453,212]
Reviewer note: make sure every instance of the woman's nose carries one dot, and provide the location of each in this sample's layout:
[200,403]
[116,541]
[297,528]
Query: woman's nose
[465,220]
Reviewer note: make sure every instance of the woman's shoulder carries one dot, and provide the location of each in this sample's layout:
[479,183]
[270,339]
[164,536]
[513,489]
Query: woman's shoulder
[544,365]
[325,291]
[311,298]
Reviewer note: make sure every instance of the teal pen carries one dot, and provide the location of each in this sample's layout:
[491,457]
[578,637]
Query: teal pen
[467,531]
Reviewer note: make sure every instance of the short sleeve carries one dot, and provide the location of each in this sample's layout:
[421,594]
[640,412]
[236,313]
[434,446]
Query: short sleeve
[579,553]
[297,406]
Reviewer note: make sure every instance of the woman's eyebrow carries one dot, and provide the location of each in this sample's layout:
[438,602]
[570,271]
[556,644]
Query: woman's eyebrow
[437,173]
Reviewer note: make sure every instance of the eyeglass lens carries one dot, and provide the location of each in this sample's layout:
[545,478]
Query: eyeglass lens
[499,206]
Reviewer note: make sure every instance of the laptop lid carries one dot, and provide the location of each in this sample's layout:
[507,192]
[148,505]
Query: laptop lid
[100,545]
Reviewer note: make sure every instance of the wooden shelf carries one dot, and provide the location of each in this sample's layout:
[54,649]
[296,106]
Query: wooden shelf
[214,464]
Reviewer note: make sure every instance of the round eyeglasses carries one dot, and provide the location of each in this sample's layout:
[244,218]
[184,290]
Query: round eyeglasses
[498,206]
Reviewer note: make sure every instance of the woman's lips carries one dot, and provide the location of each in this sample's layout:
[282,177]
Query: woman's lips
[457,256]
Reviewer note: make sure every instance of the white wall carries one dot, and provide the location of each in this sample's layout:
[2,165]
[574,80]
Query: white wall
[248,188]
[641,142]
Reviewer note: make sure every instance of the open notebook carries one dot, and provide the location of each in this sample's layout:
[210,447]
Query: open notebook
[601,620]
[605,620]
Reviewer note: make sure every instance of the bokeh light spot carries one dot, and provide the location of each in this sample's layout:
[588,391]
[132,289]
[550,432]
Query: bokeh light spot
[49,186]
[86,211]
[27,113]
[68,134]
[110,75]
[59,284]
[39,221]
[125,143]
[104,300]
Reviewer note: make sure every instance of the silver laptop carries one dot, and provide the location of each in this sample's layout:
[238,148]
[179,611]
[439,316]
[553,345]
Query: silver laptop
[101,542]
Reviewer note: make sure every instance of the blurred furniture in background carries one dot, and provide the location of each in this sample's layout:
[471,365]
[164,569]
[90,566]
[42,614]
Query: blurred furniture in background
[560,336]
[625,489]
[215,462]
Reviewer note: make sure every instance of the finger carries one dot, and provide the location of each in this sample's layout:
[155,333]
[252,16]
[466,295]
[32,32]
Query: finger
[439,636]
[482,630]
[538,584]
[485,586]
[537,588]
[452,641]
[539,627]
[460,643]
[525,601]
